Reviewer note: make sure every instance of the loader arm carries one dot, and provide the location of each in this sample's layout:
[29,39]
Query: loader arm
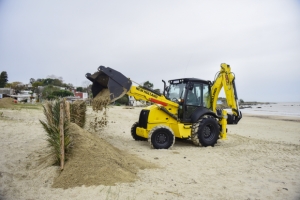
[225,79]
[119,85]
[142,93]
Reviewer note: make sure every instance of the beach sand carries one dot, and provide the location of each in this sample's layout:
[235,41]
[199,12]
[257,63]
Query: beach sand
[259,160]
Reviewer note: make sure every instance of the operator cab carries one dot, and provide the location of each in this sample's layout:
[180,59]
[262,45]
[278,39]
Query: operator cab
[191,94]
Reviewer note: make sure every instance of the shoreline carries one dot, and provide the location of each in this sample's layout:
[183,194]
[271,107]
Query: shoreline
[273,117]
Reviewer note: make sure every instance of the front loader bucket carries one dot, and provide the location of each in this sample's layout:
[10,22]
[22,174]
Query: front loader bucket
[107,78]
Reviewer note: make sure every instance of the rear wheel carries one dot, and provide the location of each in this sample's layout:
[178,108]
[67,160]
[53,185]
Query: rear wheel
[206,131]
[133,132]
[161,137]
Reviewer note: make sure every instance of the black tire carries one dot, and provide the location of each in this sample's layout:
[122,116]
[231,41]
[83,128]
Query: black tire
[133,133]
[206,131]
[161,137]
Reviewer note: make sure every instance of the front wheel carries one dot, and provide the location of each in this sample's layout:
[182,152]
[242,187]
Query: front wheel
[206,131]
[161,137]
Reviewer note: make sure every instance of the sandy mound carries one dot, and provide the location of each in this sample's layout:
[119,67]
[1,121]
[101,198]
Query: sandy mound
[96,162]
[6,103]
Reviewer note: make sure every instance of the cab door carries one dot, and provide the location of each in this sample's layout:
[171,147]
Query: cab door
[197,96]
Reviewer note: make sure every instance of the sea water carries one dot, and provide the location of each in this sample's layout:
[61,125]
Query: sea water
[291,109]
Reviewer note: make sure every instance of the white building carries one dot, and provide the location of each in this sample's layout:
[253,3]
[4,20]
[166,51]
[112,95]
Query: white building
[7,91]
[133,102]
[25,95]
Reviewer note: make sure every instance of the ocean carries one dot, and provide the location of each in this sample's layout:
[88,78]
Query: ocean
[290,109]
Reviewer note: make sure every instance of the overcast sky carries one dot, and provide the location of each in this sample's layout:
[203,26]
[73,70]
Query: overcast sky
[155,40]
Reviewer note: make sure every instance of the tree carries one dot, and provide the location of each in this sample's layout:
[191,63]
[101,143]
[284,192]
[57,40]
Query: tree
[50,92]
[8,85]
[157,90]
[36,88]
[62,93]
[147,84]
[123,100]
[50,81]
[14,85]
[70,86]
[32,80]
[37,84]
[19,88]
[57,82]
[79,89]
[47,92]
[3,79]
[40,80]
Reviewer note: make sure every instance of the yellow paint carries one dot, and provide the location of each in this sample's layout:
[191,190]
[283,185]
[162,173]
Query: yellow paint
[158,117]
[223,123]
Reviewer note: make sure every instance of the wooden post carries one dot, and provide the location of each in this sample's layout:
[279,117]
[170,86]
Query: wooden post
[62,137]
[68,110]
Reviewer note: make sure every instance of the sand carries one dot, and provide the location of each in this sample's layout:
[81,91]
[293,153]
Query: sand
[96,162]
[6,102]
[101,100]
[259,160]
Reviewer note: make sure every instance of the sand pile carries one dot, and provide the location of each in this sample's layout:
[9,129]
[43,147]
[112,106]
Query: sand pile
[96,162]
[6,102]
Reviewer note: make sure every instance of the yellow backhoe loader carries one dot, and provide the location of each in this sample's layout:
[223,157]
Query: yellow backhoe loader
[187,109]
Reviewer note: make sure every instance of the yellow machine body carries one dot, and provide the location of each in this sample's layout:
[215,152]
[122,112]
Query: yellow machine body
[164,117]
[159,117]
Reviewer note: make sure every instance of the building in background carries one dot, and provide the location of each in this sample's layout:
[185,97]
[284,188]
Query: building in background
[82,95]
[25,96]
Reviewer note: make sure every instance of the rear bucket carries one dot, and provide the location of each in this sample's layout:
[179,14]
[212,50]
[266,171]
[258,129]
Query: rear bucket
[107,78]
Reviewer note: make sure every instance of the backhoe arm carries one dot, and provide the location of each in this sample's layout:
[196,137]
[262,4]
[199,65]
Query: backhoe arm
[225,78]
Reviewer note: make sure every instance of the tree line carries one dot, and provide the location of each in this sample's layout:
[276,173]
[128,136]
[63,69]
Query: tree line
[50,88]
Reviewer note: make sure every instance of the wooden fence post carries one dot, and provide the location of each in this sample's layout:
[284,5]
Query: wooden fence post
[62,137]
[68,110]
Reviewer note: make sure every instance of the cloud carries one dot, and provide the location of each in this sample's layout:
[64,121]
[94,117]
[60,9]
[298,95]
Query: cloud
[156,40]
